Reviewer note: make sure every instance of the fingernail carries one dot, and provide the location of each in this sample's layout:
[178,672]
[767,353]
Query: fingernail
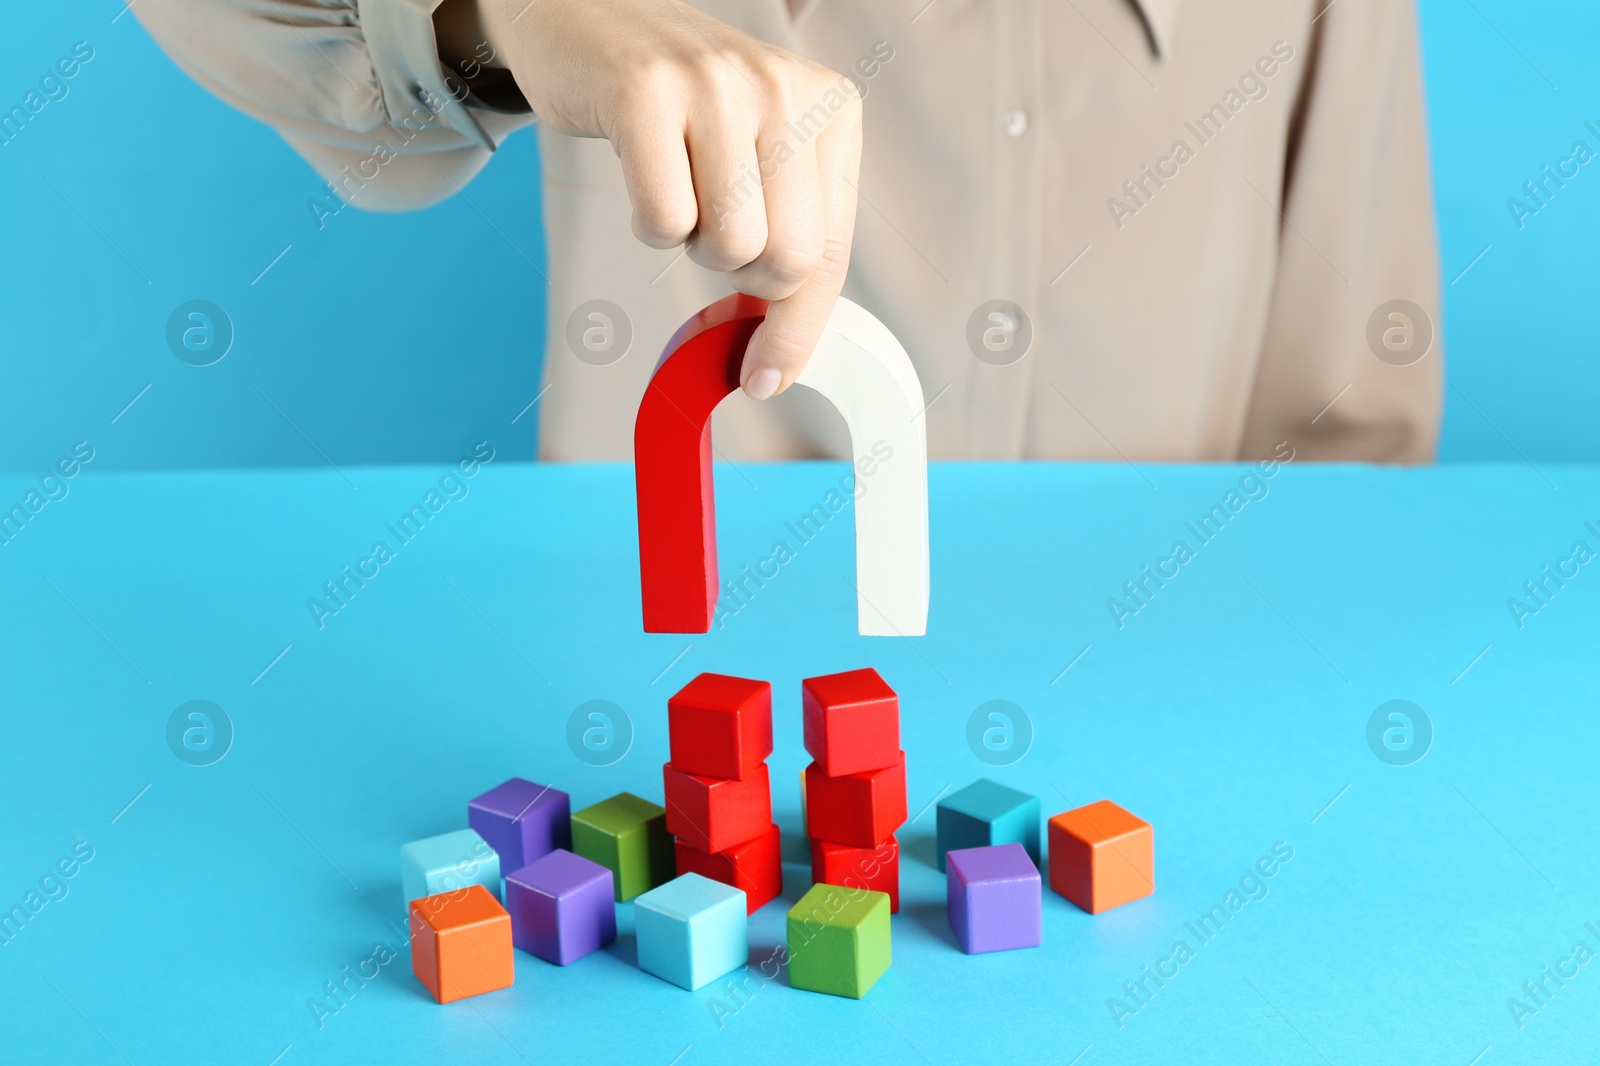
[763,383]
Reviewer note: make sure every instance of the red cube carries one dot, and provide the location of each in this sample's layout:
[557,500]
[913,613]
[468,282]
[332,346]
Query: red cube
[852,722]
[720,726]
[875,869]
[857,809]
[713,813]
[756,866]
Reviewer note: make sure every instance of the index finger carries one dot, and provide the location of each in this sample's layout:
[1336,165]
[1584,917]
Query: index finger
[782,344]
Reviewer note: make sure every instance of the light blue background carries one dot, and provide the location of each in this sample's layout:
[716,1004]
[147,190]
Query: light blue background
[201,199]
[1231,713]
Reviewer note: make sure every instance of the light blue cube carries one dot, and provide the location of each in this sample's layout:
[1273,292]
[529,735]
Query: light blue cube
[446,863]
[984,814]
[692,930]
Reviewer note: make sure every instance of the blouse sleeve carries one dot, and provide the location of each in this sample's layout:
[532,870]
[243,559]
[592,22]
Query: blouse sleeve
[356,88]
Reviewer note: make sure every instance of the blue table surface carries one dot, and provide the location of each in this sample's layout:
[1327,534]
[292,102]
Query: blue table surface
[1231,712]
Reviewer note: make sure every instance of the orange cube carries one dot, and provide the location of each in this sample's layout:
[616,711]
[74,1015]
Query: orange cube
[461,943]
[1101,856]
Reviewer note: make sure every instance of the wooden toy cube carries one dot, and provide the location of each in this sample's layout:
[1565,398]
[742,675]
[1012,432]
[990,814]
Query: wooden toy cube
[447,862]
[561,907]
[628,836]
[720,726]
[803,825]
[1101,856]
[994,898]
[521,821]
[755,866]
[852,722]
[875,869]
[461,943]
[713,813]
[838,940]
[985,813]
[857,809]
[692,930]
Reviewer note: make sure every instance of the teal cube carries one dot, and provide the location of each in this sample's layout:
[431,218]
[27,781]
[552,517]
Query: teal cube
[986,813]
[446,863]
[691,930]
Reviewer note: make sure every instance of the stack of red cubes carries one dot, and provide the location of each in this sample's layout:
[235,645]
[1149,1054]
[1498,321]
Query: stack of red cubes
[718,796]
[855,787]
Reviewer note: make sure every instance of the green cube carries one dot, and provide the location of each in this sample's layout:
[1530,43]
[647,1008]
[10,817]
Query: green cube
[838,940]
[628,836]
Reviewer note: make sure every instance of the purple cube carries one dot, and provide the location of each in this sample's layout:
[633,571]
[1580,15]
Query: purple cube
[995,898]
[561,907]
[522,821]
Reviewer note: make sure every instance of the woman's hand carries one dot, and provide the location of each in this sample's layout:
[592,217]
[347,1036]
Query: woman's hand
[747,152]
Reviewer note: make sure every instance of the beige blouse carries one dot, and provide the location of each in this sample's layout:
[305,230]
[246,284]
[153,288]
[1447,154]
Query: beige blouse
[1104,229]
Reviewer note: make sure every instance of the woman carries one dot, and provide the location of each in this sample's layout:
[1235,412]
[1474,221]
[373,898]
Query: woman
[1115,229]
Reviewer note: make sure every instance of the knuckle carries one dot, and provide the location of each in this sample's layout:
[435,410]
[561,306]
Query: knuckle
[778,78]
[663,222]
[835,256]
[791,263]
[853,108]
[823,79]
[841,98]
[715,75]
[646,84]
[741,250]
[753,281]
[727,250]
[847,118]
